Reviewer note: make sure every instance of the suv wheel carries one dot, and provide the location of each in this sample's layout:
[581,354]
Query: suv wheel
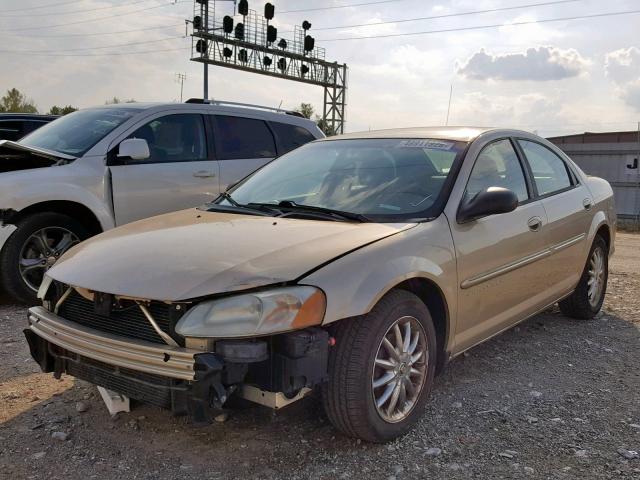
[35,246]
[587,299]
[382,369]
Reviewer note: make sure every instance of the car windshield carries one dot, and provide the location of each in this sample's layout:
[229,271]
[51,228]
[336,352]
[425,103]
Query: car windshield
[378,178]
[76,133]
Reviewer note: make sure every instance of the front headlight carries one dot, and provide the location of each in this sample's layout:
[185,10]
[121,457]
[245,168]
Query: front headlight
[252,314]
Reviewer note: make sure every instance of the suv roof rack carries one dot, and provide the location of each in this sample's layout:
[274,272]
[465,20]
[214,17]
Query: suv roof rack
[244,105]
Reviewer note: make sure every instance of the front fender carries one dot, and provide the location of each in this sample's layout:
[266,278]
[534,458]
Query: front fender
[356,282]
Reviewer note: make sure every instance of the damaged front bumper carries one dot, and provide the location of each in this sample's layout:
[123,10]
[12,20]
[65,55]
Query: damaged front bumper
[183,380]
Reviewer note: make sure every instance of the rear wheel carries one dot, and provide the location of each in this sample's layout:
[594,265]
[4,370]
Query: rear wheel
[35,246]
[587,299]
[382,369]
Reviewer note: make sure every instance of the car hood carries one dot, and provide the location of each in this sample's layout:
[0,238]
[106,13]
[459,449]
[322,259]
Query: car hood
[194,253]
[17,156]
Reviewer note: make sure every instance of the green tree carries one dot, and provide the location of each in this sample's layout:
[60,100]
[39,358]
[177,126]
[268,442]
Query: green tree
[306,110]
[116,100]
[56,110]
[16,102]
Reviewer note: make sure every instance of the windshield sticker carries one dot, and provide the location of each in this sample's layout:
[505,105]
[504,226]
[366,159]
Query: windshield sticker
[421,143]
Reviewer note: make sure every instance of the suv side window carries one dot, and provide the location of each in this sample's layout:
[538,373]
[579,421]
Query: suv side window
[549,171]
[11,129]
[290,137]
[174,138]
[238,137]
[498,166]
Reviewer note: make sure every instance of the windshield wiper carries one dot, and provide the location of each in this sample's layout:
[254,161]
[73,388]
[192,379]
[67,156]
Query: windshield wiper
[356,217]
[254,208]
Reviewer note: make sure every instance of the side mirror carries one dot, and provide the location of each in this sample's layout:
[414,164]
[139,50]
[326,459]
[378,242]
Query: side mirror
[134,148]
[491,201]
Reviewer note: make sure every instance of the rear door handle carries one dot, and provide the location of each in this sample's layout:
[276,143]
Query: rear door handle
[204,174]
[586,203]
[534,223]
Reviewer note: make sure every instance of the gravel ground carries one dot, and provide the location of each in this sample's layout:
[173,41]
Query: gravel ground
[551,398]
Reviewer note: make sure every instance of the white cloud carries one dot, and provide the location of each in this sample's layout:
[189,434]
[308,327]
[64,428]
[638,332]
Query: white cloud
[537,64]
[623,68]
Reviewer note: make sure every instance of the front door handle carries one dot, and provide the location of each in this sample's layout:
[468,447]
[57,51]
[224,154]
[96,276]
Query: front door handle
[586,203]
[534,223]
[204,174]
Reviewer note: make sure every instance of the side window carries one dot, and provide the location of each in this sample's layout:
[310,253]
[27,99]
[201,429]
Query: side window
[290,137]
[498,166]
[174,138]
[11,129]
[238,137]
[549,171]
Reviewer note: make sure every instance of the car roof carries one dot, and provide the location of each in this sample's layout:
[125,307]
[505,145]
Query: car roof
[26,116]
[464,134]
[265,113]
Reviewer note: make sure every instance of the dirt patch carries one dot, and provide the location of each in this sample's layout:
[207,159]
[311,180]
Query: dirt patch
[551,398]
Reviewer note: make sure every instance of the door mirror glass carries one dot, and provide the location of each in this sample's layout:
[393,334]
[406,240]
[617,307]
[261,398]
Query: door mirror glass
[490,201]
[134,148]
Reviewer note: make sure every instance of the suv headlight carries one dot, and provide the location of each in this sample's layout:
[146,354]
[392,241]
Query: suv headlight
[252,314]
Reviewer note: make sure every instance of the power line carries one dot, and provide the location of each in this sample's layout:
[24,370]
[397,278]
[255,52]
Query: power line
[338,6]
[483,27]
[448,15]
[116,32]
[78,11]
[43,6]
[147,52]
[39,27]
[129,44]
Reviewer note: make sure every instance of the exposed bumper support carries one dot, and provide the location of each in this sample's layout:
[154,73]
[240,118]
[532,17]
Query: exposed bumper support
[164,360]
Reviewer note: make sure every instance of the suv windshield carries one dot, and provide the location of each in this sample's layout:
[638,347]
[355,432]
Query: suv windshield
[378,178]
[76,133]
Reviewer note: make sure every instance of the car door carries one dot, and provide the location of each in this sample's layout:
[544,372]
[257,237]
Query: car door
[567,203]
[180,172]
[242,146]
[498,276]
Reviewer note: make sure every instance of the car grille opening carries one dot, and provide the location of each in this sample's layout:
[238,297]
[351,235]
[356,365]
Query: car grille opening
[128,322]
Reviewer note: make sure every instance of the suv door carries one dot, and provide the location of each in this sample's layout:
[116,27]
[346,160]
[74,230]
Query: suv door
[567,203]
[180,172]
[242,146]
[497,256]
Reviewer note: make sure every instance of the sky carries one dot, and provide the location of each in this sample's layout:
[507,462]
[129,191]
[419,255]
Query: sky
[552,78]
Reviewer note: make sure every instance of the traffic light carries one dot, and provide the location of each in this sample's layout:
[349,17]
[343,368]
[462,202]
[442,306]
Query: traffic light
[309,43]
[243,56]
[306,26]
[272,34]
[266,61]
[227,24]
[269,11]
[197,22]
[304,70]
[201,46]
[282,64]
[243,8]
[239,31]
[282,44]
[227,52]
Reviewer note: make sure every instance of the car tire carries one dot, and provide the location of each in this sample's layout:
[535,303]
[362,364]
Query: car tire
[19,283]
[585,302]
[350,398]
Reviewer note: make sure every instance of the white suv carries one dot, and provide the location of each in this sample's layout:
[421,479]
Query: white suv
[106,166]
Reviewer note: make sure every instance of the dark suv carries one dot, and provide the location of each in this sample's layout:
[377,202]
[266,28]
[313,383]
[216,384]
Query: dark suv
[14,126]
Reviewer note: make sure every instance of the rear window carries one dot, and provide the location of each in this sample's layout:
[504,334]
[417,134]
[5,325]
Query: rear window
[290,137]
[238,137]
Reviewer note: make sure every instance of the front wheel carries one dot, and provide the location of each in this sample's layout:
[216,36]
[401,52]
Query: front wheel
[33,248]
[587,299]
[382,369]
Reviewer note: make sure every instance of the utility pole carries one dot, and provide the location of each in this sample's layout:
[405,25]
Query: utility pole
[181,77]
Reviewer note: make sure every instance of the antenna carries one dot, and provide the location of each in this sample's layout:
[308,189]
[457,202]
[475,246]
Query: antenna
[449,107]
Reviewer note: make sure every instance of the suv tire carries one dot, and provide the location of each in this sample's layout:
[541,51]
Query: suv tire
[25,245]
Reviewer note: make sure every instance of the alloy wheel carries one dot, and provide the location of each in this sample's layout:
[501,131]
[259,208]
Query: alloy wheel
[400,369]
[596,276]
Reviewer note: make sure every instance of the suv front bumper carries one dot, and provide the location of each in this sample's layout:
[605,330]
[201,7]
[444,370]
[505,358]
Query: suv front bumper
[183,380]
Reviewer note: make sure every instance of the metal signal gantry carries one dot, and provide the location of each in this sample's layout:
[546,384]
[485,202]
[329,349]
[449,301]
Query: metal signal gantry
[247,41]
